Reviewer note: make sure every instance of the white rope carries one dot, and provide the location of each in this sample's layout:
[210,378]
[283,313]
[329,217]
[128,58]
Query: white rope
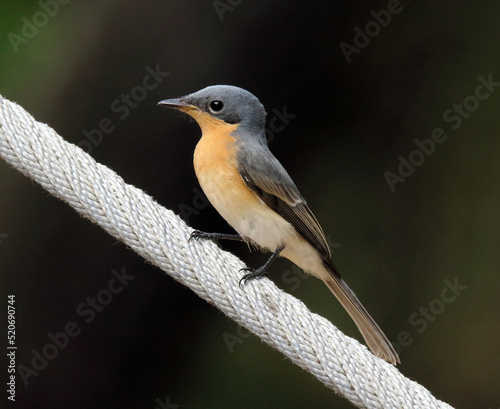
[158,235]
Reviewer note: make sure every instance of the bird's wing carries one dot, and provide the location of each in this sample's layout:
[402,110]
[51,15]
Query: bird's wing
[267,178]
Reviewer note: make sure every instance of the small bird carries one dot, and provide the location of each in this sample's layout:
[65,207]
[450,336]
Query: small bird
[253,192]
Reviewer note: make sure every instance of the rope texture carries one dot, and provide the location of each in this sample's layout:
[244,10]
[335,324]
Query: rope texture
[161,237]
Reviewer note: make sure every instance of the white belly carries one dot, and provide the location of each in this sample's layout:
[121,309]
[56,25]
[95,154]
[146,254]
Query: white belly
[245,212]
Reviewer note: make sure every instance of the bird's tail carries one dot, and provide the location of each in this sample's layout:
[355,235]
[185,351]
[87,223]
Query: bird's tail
[373,335]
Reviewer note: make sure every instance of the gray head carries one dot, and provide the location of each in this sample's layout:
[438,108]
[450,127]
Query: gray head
[226,103]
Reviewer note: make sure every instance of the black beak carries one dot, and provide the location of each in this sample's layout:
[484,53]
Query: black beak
[176,103]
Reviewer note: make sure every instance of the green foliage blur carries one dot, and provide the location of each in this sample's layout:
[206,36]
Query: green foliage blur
[414,221]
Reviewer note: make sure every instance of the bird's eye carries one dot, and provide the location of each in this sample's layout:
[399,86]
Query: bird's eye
[216,106]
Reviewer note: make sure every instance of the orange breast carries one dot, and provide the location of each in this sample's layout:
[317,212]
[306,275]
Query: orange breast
[216,168]
[216,150]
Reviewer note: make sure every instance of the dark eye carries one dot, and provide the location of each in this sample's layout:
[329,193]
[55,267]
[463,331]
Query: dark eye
[216,106]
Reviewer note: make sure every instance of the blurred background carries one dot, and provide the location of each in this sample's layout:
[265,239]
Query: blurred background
[415,230]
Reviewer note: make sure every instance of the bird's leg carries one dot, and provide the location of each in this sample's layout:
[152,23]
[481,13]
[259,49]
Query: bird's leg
[261,271]
[197,235]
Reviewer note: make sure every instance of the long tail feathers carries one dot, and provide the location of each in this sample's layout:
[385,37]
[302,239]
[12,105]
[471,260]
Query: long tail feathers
[373,335]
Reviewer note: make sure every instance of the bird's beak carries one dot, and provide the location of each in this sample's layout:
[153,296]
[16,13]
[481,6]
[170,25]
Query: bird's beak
[177,103]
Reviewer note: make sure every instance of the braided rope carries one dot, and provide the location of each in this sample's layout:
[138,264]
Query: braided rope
[158,235]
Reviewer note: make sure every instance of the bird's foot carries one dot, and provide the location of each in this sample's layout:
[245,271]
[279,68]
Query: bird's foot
[198,235]
[261,271]
[253,274]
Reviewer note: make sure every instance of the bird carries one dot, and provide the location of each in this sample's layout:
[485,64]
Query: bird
[253,192]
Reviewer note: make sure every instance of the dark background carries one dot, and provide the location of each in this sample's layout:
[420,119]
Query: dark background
[156,340]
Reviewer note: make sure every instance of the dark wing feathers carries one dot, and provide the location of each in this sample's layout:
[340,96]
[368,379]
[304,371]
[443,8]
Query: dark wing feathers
[301,217]
[262,173]
[275,188]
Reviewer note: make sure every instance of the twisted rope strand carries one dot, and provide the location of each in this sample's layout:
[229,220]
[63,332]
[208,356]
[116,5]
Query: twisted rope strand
[161,237]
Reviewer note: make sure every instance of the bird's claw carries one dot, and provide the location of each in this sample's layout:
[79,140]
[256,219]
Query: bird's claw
[252,274]
[197,235]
